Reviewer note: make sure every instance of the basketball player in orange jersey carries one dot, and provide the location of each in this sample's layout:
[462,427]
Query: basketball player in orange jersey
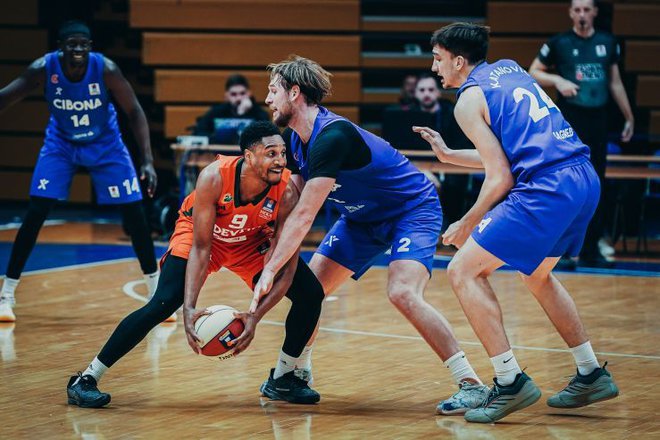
[229,220]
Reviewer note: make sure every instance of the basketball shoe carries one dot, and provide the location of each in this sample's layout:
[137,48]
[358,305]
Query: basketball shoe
[503,400]
[82,391]
[585,390]
[304,374]
[6,310]
[469,396]
[289,388]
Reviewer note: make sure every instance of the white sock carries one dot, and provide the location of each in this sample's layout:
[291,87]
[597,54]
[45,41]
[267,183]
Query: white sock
[506,367]
[305,359]
[151,280]
[285,364]
[96,369]
[8,289]
[585,359]
[460,368]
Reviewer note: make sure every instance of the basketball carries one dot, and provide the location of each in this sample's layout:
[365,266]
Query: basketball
[217,329]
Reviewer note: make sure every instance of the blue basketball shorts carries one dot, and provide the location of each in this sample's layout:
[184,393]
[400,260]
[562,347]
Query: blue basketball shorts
[544,217]
[410,236]
[107,161]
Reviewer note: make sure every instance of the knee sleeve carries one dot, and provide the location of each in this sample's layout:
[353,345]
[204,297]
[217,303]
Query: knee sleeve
[306,295]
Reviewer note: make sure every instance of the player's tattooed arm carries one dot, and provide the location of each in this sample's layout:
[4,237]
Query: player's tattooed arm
[207,193]
[125,97]
[33,77]
[473,118]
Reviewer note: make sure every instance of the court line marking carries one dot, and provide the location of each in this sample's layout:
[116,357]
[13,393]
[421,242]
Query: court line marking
[128,290]
[78,266]
[477,344]
[325,329]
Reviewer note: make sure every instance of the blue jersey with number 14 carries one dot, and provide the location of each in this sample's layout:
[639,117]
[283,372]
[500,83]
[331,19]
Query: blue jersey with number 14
[530,127]
[79,111]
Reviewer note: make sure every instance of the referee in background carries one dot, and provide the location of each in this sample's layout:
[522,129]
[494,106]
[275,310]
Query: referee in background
[585,60]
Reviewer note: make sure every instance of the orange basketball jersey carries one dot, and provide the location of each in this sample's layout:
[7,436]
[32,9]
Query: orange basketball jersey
[241,233]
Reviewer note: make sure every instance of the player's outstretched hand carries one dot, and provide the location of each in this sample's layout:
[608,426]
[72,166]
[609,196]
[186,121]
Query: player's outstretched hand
[262,288]
[243,341]
[148,173]
[191,315]
[434,139]
[456,234]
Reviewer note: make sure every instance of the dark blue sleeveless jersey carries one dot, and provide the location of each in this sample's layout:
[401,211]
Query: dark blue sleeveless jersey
[530,127]
[79,111]
[385,188]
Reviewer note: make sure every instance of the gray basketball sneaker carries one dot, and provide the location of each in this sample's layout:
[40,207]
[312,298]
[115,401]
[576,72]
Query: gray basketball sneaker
[469,396]
[585,390]
[503,400]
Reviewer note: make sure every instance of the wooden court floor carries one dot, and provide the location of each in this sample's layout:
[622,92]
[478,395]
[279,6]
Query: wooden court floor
[377,378]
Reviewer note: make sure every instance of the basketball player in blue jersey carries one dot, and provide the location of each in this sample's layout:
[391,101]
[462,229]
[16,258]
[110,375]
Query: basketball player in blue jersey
[385,203]
[82,131]
[537,198]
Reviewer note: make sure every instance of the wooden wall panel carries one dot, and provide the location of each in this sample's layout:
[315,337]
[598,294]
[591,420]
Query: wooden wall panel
[247,50]
[26,116]
[520,49]
[19,151]
[636,20]
[25,12]
[209,85]
[23,44]
[642,56]
[648,91]
[528,17]
[327,15]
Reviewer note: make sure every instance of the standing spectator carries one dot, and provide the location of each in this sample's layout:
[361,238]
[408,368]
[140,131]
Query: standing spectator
[585,60]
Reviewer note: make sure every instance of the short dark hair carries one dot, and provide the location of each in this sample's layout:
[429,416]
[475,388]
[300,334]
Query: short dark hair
[73,27]
[236,80]
[427,75]
[257,130]
[468,40]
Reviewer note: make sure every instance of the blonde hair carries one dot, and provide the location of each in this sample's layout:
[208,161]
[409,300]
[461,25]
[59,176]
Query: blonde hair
[313,80]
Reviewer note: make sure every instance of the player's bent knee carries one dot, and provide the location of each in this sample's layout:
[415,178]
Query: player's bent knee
[403,297]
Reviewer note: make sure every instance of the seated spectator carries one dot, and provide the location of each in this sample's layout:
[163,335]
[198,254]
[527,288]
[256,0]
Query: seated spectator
[239,104]
[407,98]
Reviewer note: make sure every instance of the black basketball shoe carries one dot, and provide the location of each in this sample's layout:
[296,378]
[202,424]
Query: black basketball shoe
[289,388]
[82,391]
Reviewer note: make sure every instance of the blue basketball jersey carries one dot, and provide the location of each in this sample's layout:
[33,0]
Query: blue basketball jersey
[387,187]
[79,111]
[530,127]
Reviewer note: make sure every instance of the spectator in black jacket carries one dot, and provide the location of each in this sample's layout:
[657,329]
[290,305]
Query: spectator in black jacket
[239,103]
